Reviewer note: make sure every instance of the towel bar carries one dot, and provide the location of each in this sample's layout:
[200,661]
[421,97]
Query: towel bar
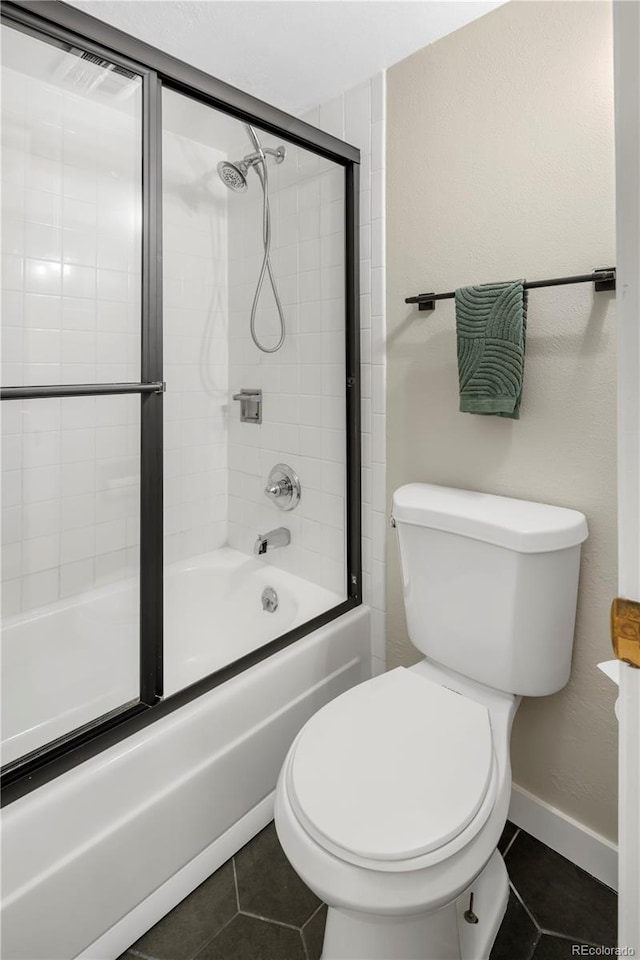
[604,278]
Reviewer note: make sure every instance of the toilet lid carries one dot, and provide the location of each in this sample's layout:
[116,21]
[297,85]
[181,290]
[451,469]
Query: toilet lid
[393,769]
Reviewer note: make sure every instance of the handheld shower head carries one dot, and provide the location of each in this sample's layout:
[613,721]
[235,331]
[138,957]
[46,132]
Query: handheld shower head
[233,175]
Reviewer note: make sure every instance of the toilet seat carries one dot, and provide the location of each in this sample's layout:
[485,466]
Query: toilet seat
[393,770]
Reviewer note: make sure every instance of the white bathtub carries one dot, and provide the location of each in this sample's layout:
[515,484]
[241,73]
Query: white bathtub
[90,643]
[94,858]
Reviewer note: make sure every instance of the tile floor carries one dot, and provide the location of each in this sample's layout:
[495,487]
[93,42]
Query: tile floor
[256,908]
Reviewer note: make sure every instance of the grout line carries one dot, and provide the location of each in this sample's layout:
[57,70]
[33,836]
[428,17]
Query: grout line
[211,939]
[317,910]
[278,923]
[525,907]
[569,937]
[535,946]
[304,942]
[235,881]
[137,953]
[511,842]
[304,945]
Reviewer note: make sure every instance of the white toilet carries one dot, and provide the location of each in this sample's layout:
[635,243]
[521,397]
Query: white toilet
[393,797]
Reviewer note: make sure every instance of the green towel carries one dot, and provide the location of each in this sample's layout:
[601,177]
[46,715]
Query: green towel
[491,324]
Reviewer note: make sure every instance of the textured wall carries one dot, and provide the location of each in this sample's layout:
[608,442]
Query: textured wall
[500,165]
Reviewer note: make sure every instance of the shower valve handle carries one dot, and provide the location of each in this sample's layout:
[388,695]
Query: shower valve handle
[280,489]
[283,487]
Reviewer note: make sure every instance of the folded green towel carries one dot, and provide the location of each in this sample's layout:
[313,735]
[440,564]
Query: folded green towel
[491,324]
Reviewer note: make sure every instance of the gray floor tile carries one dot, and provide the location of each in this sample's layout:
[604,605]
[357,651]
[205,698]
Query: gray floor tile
[191,924]
[562,897]
[268,885]
[518,934]
[554,948]
[313,933]
[248,938]
[508,834]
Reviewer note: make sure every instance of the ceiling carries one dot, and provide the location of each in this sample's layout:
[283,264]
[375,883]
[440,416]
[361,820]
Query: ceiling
[290,53]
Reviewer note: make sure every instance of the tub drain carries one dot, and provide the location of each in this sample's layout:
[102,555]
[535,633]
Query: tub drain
[269,600]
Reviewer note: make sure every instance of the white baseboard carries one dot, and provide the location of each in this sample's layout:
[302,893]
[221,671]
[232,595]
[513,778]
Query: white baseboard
[587,849]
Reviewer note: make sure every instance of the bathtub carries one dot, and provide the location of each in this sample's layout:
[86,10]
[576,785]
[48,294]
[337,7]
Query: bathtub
[94,858]
[213,615]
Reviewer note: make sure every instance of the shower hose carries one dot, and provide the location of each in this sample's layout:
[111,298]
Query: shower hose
[261,170]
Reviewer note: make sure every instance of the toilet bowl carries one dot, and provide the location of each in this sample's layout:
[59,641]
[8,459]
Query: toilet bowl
[390,805]
[392,798]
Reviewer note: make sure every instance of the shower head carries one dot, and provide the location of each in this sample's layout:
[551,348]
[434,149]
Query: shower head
[233,175]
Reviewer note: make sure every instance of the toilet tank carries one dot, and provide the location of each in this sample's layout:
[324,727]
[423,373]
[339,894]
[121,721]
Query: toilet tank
[490,584]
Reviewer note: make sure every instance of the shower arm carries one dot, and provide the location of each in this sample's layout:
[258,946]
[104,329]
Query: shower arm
[259,155]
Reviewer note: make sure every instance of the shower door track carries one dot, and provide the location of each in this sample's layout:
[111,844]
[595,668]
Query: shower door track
[59,23]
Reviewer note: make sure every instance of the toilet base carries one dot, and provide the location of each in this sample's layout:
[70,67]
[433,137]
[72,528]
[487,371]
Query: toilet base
[441,935]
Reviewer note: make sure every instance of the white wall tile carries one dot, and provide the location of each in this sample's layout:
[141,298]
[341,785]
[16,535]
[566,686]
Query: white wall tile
[358,116]
[40,241]
[40,553]
[11,597]
[378,85]
[11,560]
[40,589]
[76,577]
[12,345]
[377,244]
[332,117]
[81,311]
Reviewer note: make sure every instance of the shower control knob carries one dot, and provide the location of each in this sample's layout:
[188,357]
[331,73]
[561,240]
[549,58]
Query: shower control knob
[283,487]
[280,489]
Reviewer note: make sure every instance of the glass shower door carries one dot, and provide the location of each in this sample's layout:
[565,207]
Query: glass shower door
[145,557]
[254,241]
[71,303]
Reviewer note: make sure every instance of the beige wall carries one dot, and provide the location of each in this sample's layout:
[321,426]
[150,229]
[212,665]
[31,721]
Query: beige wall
[501,165]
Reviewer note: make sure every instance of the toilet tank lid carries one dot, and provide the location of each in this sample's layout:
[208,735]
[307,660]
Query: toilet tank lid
[520,525]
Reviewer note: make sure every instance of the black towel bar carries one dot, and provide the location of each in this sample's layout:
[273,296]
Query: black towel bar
[604,279]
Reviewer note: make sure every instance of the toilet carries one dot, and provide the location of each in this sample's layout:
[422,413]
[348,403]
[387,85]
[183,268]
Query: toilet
[392,798]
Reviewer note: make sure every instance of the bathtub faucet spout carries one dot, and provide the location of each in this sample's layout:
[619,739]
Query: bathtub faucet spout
[275,538]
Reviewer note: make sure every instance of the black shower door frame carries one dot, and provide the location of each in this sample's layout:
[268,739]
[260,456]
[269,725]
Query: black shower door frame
[57,22]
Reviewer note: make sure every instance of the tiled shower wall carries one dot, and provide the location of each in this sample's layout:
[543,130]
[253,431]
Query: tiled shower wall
[195,348]
[70,311]
[303,383]
[358,117]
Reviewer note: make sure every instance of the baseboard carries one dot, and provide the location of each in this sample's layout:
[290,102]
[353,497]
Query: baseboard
[587,849]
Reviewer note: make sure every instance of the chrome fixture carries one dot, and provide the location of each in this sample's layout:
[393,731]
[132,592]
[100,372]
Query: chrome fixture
[279,537]
[283,487]
[269,600]
[250,405]
[233,174]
